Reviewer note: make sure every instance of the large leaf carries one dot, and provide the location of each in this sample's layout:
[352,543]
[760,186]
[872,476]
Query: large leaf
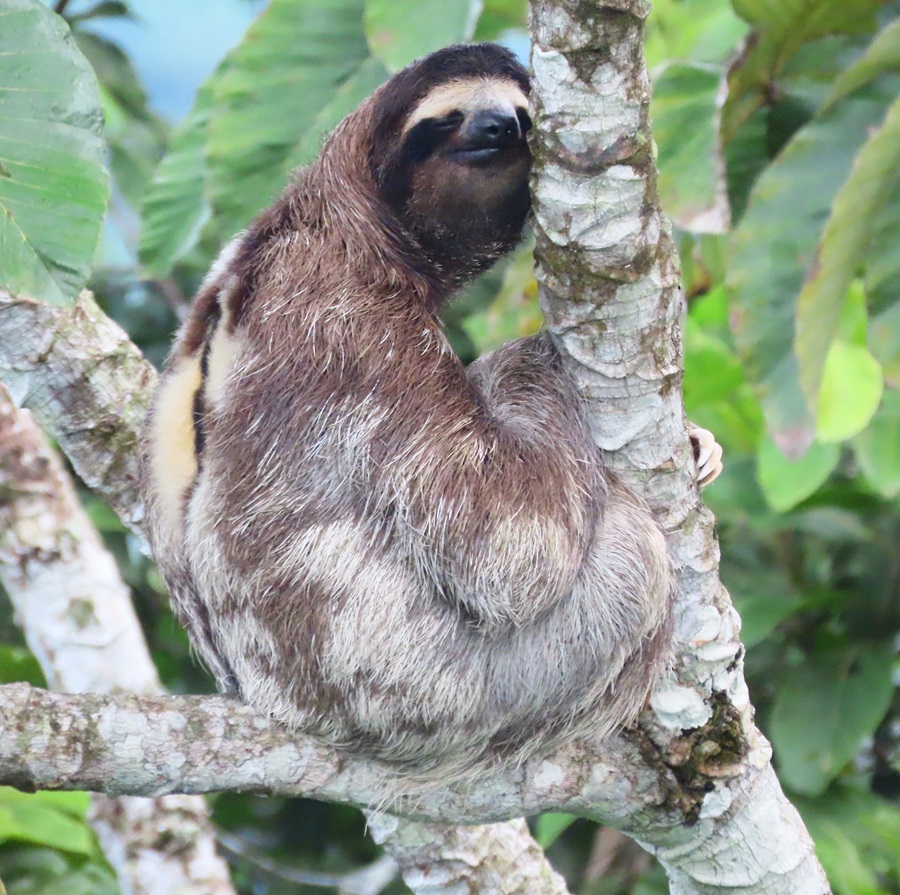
[843,247]
[499,16]
[786,482]
[782,28]
[685,125]
[27,819]
[798,21]
[370,74]
[884,342]
[857,836]
[135,135]
[877,449]
[53,184]
[882,55]
[269,93]
[699,30]
[774,248]
[824,711]
[400,32]
[174,208]
[852,383]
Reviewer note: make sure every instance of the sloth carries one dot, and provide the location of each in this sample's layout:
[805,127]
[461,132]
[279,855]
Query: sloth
[419,562]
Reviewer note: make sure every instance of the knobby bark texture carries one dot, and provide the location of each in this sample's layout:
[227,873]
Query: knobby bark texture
[610,288]
[77,617]
[91,387]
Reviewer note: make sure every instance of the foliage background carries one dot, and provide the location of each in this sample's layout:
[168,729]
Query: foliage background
[778,132]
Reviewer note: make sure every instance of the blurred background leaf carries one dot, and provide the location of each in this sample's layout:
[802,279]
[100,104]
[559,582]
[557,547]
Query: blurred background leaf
[53,184]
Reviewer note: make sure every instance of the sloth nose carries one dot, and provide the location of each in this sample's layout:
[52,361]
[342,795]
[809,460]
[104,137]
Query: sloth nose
[492,128]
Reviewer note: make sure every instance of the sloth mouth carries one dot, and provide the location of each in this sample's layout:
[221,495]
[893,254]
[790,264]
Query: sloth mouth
[479,154]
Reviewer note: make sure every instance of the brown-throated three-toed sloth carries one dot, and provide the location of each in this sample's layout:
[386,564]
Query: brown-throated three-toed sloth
[419,562]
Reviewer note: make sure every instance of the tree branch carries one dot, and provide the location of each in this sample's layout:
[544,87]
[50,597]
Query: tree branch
[77,617]
[151,745]
[87,385]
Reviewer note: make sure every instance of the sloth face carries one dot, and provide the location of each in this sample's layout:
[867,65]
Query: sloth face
[455,169]
[467,164]
[478,122]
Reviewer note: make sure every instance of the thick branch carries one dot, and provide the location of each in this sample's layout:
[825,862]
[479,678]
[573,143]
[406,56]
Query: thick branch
[87,385]
[437,859]
[151,745]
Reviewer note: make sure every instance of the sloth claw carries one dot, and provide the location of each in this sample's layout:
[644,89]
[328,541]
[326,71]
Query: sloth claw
[707,454]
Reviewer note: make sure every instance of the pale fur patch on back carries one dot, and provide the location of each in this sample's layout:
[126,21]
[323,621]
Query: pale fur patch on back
[468,95]
[223,262]
[223,351]
[173,462]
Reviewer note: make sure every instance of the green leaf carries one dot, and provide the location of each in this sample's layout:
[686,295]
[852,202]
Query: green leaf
[761,614]
[53,184]
[74,804]
[711,370]
[513,311]
[685,121]
[550,826]
[499,16]
[174,208]
[18,664]
[43,871]
[852,384]
[842,251]
[857,837]
[400,32]
[362,83]
[115,72]
[775,245]
[877,448]
[882,55]
[107,9]
[267,95]
[797,21]
[762,73]
[884,343]
[825,709]
[786,482]
[700,30]
[26,819]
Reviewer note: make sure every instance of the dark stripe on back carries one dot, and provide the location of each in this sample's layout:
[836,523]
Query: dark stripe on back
[199,402]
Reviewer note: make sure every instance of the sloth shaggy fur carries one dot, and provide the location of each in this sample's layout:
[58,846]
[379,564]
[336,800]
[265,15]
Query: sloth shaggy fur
[418,562]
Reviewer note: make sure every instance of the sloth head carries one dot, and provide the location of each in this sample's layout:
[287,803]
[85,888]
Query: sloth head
[449,154]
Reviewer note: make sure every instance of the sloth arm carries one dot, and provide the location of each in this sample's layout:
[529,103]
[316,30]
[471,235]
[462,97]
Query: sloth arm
[499,484]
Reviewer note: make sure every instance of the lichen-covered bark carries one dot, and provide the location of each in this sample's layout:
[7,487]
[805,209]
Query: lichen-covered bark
[610,287]
[436,859]
[86,384]
[77,617]
[152,745]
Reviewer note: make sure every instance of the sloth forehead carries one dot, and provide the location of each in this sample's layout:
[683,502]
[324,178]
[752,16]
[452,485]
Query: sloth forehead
[468,95]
